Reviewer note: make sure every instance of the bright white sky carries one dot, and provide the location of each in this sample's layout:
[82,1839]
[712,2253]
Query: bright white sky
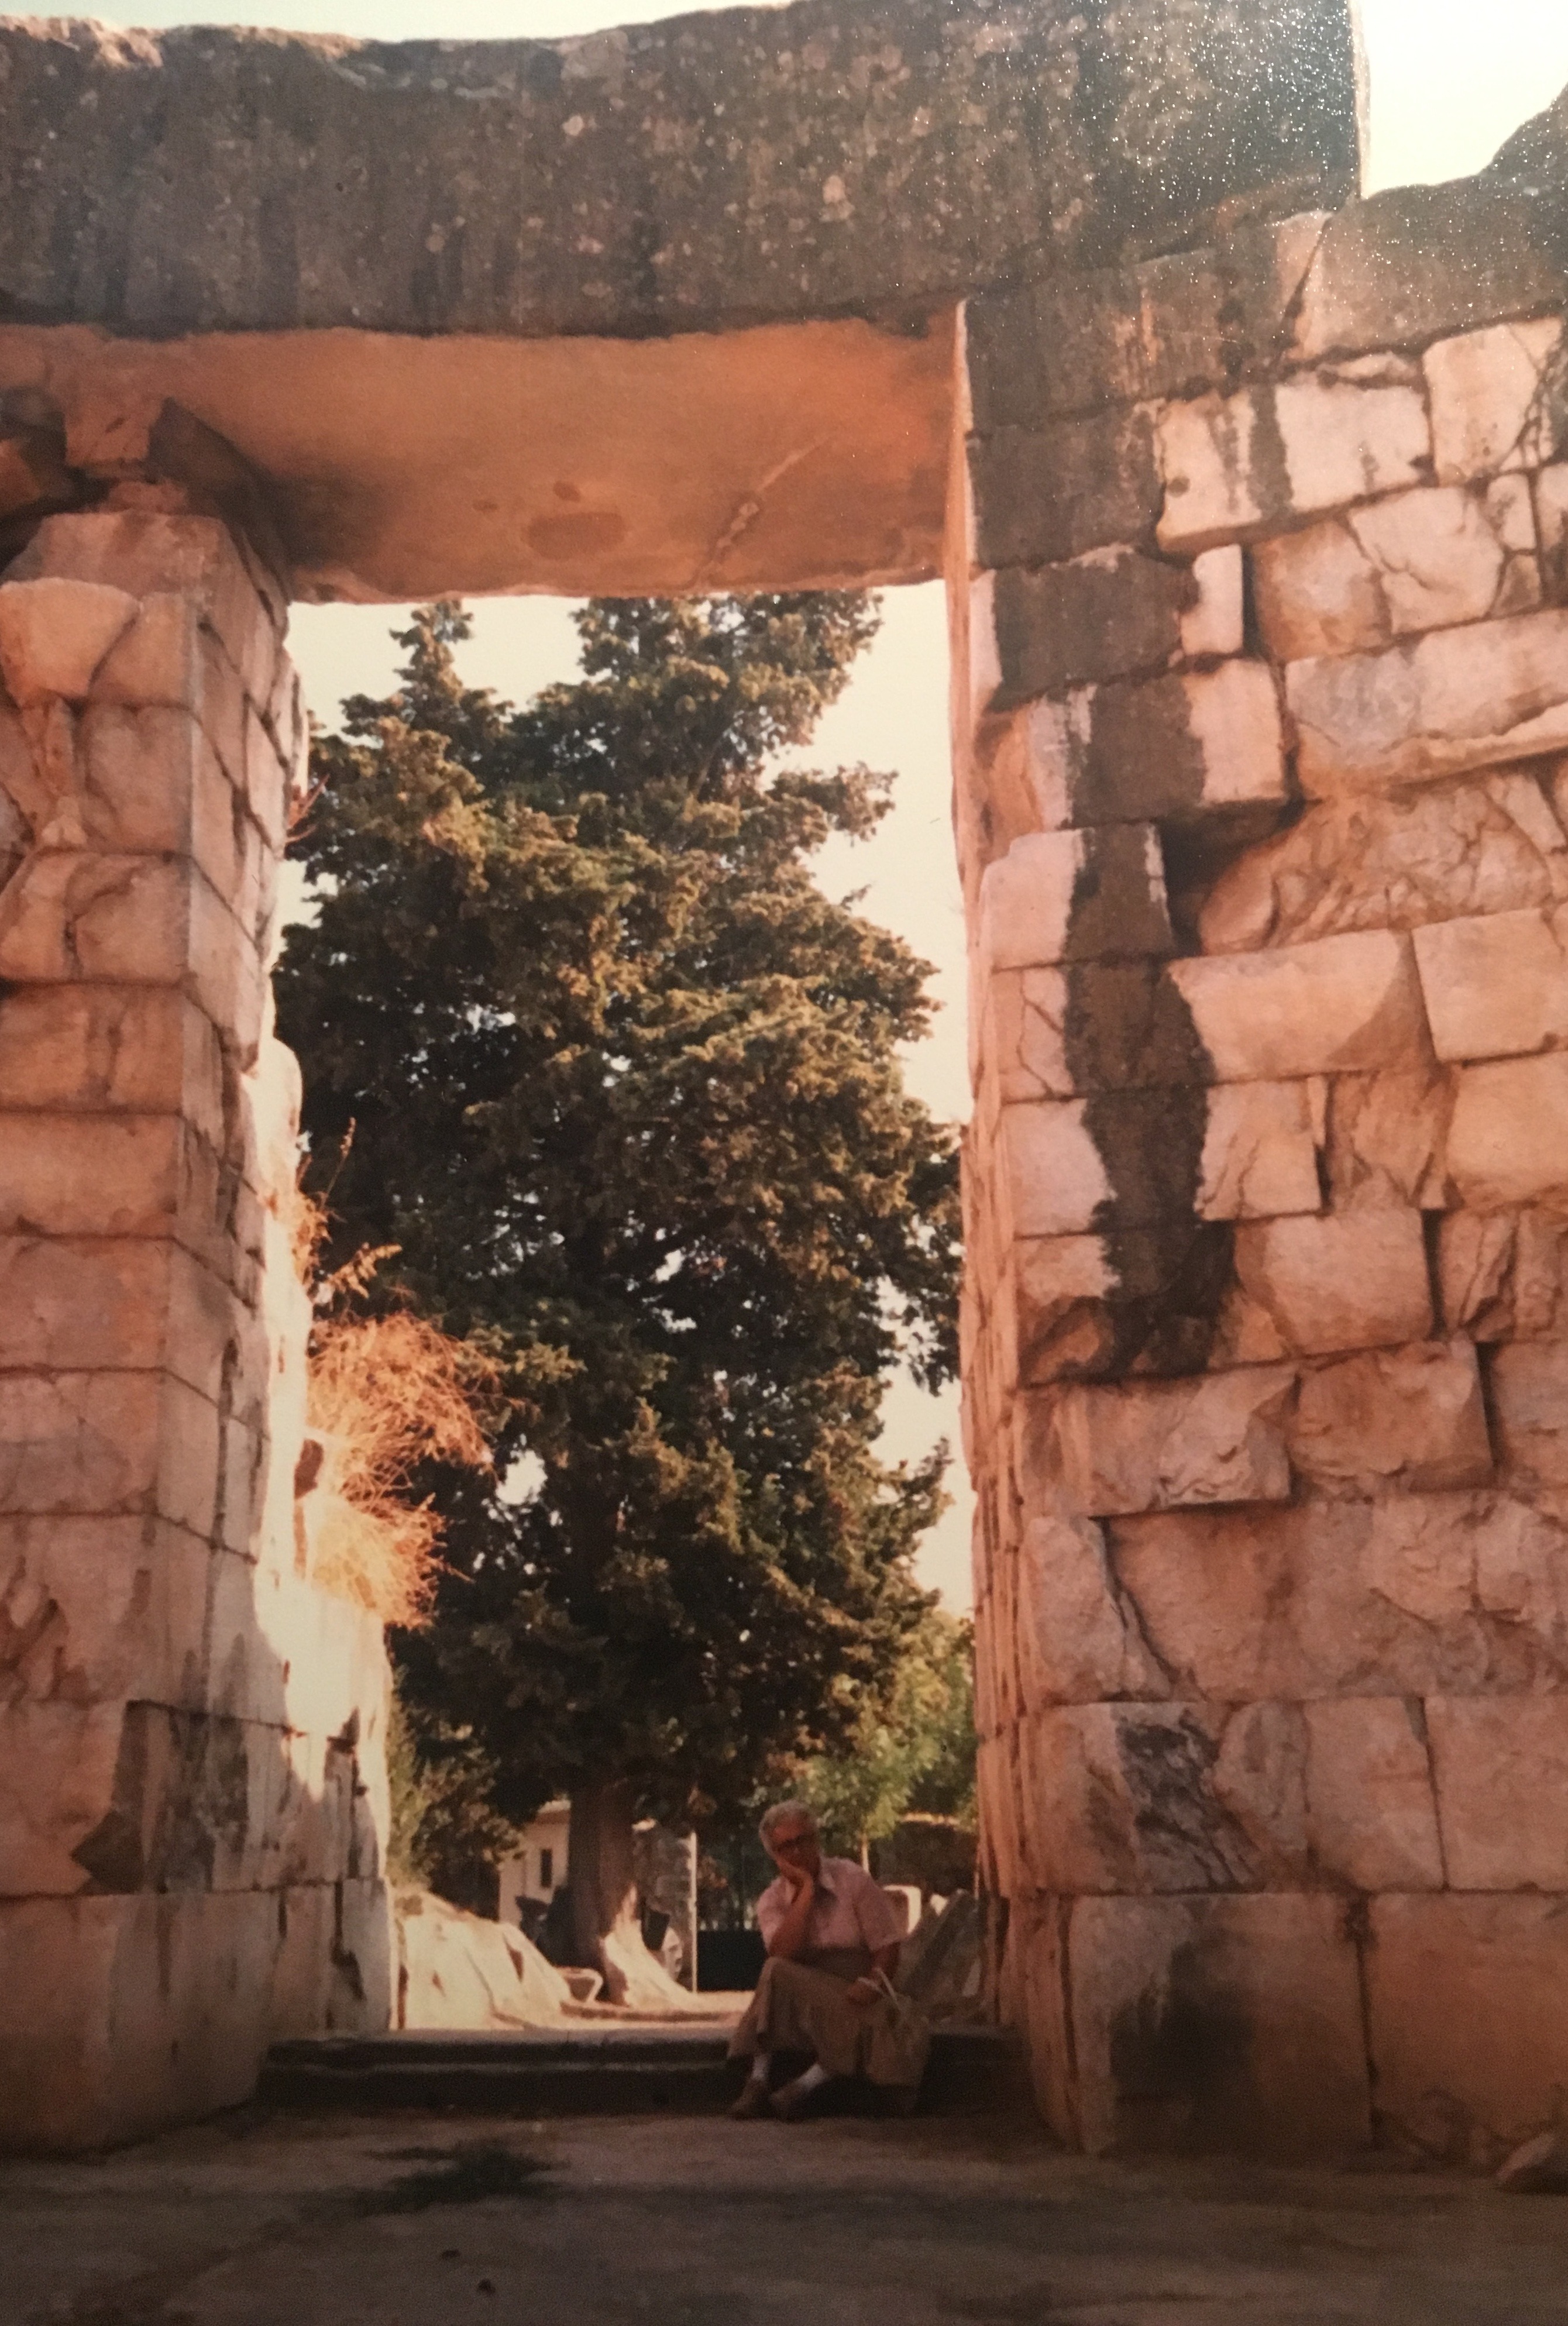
[1449,80]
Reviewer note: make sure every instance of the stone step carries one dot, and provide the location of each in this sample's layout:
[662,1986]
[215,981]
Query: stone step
[631,2071]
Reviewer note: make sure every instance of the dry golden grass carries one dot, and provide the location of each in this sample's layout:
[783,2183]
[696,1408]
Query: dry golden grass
[386,1394]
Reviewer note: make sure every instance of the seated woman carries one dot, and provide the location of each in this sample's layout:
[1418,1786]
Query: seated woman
[832,1942]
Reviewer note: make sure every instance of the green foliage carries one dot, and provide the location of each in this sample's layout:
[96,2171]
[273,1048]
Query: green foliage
[624,1091]
[445,1836]
[914,1751]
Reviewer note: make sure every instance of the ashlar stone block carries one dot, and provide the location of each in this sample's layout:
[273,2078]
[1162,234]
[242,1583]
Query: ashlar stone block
[1045,630]
[1418,560]
[1504,1275]
[1408,1595]
[1490,845]
[1078,1637]
[1217,623]
[1386,1140]
[1339,1281]
[1150,1445]
[1074,896]
[1492,407]
[1508,1136]
[1057,1180]
[1124,1799]
[1530,1387]
[149,554]
[1023,1041]
[1494,986]
[1260,1153]
[1454,700]
[1176,747]
[1050,492]
[55,631]
[1467,2027]
[1228,2023]
[1342,1004]
[1501,1766]
[1236,466]
[1411,1419]
[1371,1813]
[102,1049]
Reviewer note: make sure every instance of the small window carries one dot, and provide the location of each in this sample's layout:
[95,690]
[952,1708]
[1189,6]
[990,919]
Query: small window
[547,1869]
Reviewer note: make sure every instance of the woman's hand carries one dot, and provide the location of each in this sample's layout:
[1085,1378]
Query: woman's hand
[863,1991]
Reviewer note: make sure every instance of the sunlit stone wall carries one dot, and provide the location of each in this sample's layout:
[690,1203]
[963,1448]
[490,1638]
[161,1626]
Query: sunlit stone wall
[191,1736]
[1261,622]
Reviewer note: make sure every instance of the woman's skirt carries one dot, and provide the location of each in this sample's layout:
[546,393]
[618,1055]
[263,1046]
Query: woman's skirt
[802,2007]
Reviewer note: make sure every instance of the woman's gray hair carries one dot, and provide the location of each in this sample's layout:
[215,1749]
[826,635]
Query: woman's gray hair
[780,1813]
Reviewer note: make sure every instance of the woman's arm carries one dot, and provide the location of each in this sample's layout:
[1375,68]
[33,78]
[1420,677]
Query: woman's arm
[791,1935]
[884,1963]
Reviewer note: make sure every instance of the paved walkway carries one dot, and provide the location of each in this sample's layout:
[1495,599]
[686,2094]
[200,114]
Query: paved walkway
[417,2221]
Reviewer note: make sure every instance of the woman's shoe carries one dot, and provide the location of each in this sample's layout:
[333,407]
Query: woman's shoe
[792,2101]
[753,2102]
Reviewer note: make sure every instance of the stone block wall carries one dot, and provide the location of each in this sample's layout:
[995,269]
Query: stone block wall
[191,1736]
[1260,611]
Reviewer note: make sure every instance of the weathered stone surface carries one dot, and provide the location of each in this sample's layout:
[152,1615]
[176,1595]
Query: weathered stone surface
[1371,1817]
[1491,845]
[1506,1140]
[78,1175]
[1045,495]
[1172,746]
[764,145]
[1466,2021]
[1173,325]
[1095,1306]
[1418,560]
[1529,1395]
[122,919]
[1386,1140]
[1234,466]
[1496,986]
[1218,2024]
[458,1970]
[1341,1004]
[1077,1634]
[1413,1595]
[1023,1036]
[1551,501]
[132,2011]
[1072,895]
[1422,262]
[1106,615]
[1501,1771]
[1338,1282]
[1122,1799]
[1410,1418]
[1216,624]
[54,633]
[1057,1180]
[1260,1156]
[189,575]
[1492,402]
[1504,1275]
[1149,1445]
[1453,700]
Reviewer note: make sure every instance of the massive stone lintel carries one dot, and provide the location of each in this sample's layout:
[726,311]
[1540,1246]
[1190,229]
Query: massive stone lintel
[662,309]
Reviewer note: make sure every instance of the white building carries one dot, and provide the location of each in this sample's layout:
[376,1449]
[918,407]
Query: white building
[539,1867]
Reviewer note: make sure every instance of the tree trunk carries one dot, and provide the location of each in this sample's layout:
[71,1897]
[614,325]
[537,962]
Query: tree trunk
[607,1936]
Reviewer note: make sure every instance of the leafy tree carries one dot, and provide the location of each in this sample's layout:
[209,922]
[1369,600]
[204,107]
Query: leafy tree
[914,1750]
[623,1090]
[445,1835]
